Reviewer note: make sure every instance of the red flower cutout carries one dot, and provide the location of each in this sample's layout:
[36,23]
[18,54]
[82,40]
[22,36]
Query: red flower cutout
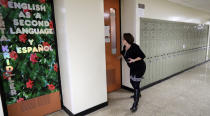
[6,75]
[33,58]
[42,1]
[51,87]
[56,67]
[20,100]
[29,84]
[13,55]
[26,10]
[51,25]
[23,38]
[4,3]
[45,44]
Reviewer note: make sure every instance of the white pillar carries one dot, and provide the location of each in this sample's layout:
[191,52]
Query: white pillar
[1,109]
[81,47]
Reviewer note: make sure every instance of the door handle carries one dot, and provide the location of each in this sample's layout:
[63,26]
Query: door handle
[113,31]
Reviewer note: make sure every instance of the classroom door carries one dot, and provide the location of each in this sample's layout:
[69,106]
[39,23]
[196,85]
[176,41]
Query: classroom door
[112,41]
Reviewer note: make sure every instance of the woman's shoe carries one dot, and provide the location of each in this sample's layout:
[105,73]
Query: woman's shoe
[134,107]
[136,101]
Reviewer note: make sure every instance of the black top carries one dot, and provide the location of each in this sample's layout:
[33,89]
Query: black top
[136,68]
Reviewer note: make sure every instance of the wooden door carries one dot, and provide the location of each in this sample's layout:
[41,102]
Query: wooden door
[112,36]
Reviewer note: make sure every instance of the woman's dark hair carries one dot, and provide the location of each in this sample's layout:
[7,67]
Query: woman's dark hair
[128,37]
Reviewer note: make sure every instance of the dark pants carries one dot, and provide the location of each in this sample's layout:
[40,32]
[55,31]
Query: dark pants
[135,85]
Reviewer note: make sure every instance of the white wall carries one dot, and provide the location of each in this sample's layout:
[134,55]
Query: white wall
[1,109]
[81,46]
[155,9]
[128,16]
[165,10]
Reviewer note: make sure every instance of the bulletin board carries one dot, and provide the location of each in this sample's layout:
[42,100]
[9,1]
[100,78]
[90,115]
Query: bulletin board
[29,60]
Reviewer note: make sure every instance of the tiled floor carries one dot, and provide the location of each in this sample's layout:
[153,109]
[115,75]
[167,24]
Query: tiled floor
[187,94]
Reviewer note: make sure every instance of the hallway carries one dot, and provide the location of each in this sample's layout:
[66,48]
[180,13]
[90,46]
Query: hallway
[186,94]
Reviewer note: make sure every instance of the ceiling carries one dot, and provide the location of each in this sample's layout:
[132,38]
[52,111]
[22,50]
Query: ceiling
[203,5]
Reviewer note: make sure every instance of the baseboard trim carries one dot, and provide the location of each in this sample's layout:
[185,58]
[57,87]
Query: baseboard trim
[67,111]
[88,111]
[127,88]
[157,82]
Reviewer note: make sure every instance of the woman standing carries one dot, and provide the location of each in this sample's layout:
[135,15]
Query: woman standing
[134,57]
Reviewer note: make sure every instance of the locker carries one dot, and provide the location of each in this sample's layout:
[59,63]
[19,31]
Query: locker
[154,69]
[163,66]
[158,67]
[169,65]
[182,61]
[164,72]
[147,48]
[176,68]
[150,70]
[179,62]
[146,75]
